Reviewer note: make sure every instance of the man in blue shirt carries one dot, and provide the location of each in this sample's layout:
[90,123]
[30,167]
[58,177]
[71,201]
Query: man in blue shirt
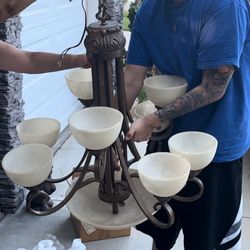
[208,43]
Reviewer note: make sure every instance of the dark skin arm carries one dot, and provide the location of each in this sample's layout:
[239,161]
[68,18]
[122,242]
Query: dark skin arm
[212,88]
[14,59]
[9,8]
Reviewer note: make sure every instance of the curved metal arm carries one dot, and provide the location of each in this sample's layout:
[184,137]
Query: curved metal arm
[122,103]
[191,198]
[130,118]
[139,200]
[76,169]
[79,184]
[168,211]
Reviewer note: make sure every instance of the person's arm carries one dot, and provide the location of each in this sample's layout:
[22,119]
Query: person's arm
[133,76]
[14,59]
[212,88]
[9,8]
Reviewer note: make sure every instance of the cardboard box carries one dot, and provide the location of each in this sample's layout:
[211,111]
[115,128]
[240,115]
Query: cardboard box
[89,233]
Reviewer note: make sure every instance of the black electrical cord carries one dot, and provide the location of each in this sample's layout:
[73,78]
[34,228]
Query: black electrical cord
[82,37]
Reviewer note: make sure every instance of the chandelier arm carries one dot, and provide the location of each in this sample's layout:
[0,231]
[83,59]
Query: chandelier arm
[108,180]
[138,199]
[122,104]
[100,164]
[168,211]
[111,170]
[193,198]
[134,151]
[96,77]
[76,169]
[87,182]
[121,89]
[130,118]
[131,161]
[76,187]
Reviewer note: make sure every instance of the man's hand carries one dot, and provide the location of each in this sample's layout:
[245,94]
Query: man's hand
[86,63]
[142,128]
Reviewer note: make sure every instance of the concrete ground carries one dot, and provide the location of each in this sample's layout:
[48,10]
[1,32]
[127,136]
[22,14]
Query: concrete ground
[24,230]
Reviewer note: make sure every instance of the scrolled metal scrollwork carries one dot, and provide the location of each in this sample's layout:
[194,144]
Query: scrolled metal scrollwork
[103,15]
[195,197]
[100,40]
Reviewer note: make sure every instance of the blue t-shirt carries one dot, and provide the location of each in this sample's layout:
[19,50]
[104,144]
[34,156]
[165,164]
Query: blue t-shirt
[184,40]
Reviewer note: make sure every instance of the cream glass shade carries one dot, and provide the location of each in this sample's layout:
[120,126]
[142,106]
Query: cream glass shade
[164,89]
[144,108]
[38,130]
[96,128]
[163,174]
[28,165]
[79,82]
[197,147]
[87,207]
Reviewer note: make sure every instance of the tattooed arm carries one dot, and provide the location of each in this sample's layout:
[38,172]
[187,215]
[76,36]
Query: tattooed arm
[212,88]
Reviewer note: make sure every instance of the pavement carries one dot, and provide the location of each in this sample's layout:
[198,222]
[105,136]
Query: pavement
[24,230]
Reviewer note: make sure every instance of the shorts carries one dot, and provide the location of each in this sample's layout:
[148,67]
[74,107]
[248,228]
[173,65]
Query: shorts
[210,222]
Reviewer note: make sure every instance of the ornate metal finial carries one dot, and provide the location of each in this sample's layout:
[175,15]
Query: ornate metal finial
[103,14]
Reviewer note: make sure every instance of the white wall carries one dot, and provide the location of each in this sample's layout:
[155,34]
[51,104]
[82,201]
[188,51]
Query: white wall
[92,9]
[52,26]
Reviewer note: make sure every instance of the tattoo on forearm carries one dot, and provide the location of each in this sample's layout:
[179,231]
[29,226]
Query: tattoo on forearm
[213,86]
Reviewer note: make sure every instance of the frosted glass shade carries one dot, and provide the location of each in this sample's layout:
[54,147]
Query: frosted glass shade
[38,130]
[28,165]
[96,127]
[163,174]
[144,108]
[87,207]
[79,82]
[197,147]
[164,89]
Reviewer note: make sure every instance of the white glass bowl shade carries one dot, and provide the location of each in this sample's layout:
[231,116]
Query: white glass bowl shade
[28,165]
[38,130]
[79,82]
[96,128]
[197,147]
[87,207]
[163,174]
[144,108]
[164,89]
